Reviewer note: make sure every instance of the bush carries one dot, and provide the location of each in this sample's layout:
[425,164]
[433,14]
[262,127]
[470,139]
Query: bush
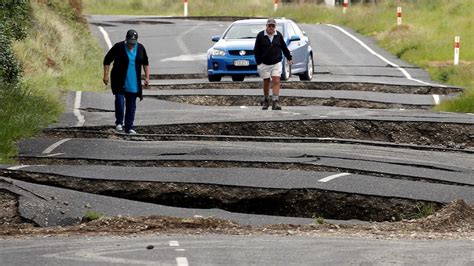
[10,70]
[15,17]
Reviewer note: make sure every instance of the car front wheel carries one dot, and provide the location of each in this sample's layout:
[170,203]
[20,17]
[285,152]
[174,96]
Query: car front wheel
[238,78]
[308,74]
[214,78]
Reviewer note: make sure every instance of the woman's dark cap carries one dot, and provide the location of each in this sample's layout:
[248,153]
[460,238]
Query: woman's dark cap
[132,36]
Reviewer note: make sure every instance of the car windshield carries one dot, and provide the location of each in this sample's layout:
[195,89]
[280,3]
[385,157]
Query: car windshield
[246,31]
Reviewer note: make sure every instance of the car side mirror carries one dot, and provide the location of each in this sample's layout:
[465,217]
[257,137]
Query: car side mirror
[295,38]
[215,38]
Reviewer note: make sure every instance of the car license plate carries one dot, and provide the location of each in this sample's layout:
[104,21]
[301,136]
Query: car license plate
[241,63]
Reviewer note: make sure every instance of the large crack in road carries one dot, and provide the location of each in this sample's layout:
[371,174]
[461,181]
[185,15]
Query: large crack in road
[290,202]
[221,100]
[290,85]
[458,136]
[310,203]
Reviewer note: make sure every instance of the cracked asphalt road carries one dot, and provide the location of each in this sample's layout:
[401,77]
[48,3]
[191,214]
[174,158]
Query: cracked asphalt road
[362,171]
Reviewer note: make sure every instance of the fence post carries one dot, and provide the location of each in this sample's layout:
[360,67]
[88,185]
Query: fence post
[344,6]
[399,16]
[185,8]
[457,46]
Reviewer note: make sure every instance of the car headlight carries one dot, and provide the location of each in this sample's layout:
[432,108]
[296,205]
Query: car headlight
[218,52]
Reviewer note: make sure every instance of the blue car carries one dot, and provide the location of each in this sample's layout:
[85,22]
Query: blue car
[233,55]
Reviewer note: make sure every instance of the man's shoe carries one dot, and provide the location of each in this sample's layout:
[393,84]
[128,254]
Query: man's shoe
[275,106]
[119,128]
[266,104]
[131,132]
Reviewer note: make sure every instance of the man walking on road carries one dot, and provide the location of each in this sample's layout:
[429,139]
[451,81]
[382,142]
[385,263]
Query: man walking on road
[128,57]
[268,49]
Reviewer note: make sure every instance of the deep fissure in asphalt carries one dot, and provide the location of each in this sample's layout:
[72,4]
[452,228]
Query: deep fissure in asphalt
[349,86]
[291,202]
[430,134]
[310,203]
[239,100]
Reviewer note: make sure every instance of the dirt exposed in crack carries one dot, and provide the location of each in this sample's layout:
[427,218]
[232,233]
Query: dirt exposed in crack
[9,208]
[299,202]
[350,86]
[177,76]
[433,134]
[230,100]
[422,133]
[454,221]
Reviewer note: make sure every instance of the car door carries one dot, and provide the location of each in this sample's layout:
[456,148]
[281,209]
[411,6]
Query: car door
[299,48]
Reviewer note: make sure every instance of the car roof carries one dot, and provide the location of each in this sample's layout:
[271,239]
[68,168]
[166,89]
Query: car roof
[258,20]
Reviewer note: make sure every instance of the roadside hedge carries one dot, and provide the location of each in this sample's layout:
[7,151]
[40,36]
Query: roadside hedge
[14,24]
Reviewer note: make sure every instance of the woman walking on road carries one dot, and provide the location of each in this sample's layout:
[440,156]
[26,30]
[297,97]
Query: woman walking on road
[129,57]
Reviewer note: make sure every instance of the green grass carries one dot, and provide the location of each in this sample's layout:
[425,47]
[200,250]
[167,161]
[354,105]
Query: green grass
[319,220]
[91,216]
[131,7]
[58,55]
[422,210]
[24,112]
[175,7]
[425,39]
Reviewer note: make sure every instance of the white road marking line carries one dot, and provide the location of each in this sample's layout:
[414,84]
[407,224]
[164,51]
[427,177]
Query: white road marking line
[182,261]
[436,99]
[181,43]
[180,249]
[290,113]
[186,57]
[54,154]
[407,75]
[106,37]
[243,107]
[18,167]
[93,256]
[174,244]
[77,112]
[331,177]
[54,146]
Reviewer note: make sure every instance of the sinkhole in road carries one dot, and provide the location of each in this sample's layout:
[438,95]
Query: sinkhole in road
[243,100]
[299,202]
